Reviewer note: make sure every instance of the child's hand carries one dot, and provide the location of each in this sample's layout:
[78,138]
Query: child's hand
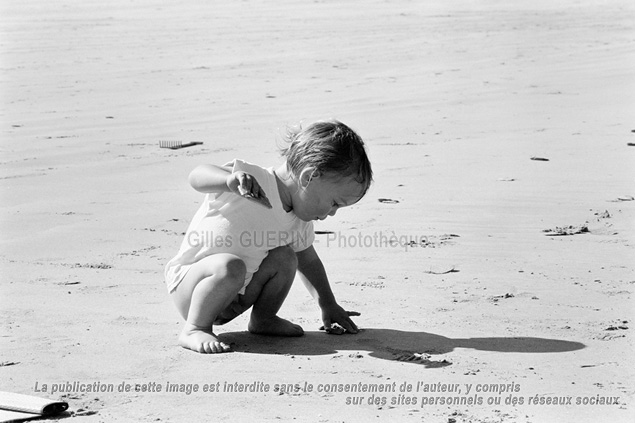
[246,186]
[337,320]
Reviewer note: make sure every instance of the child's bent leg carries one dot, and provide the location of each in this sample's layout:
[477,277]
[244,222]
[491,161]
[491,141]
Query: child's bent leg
[267,291]
[206,290]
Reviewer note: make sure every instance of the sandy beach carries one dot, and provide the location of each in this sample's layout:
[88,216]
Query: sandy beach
[492,260]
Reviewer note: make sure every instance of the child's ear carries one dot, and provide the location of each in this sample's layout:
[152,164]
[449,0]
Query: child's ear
[307,175]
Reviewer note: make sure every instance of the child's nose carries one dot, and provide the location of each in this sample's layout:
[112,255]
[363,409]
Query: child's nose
[333,211]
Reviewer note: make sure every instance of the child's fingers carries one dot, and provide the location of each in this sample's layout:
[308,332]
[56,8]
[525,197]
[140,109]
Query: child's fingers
[249,184]
[249,188]
[347,323]
[244,183]
[349,326]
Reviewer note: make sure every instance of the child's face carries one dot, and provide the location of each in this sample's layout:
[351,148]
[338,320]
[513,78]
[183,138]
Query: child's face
[324,195]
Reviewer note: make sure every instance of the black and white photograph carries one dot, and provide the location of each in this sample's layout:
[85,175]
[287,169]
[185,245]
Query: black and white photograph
[317,211]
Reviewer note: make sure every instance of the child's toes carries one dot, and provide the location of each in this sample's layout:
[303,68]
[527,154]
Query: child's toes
[206,348]
[214,347]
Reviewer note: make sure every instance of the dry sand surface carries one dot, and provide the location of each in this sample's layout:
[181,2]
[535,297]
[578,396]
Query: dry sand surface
[453,99]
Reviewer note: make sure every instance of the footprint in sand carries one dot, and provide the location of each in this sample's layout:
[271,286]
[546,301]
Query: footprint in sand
[422,359]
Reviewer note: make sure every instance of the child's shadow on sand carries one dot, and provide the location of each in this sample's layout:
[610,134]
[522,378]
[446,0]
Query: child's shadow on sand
[390,344]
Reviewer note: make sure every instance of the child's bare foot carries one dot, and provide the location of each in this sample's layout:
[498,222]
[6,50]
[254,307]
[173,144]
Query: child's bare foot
[275,326]
[200,340]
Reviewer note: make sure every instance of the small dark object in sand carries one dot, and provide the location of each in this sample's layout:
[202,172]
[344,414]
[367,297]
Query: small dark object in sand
[613,327]
[498,297]
[82,412]
[540,159]
[387,200]
[625,198]
[567,230]
[8,363]
[175,145]
[439,270]
[324,232]
[631,144]
[604,215]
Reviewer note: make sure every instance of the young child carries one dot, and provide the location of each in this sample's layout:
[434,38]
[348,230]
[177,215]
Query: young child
[254,230]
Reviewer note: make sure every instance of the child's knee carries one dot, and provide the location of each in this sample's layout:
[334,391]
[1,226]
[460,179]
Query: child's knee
[233,270]
[284,258]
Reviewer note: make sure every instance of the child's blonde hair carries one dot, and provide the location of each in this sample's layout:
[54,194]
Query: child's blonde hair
[329,147]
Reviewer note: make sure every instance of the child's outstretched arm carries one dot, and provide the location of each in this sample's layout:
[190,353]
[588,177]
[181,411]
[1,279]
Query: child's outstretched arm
[314,277]
[215,179]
